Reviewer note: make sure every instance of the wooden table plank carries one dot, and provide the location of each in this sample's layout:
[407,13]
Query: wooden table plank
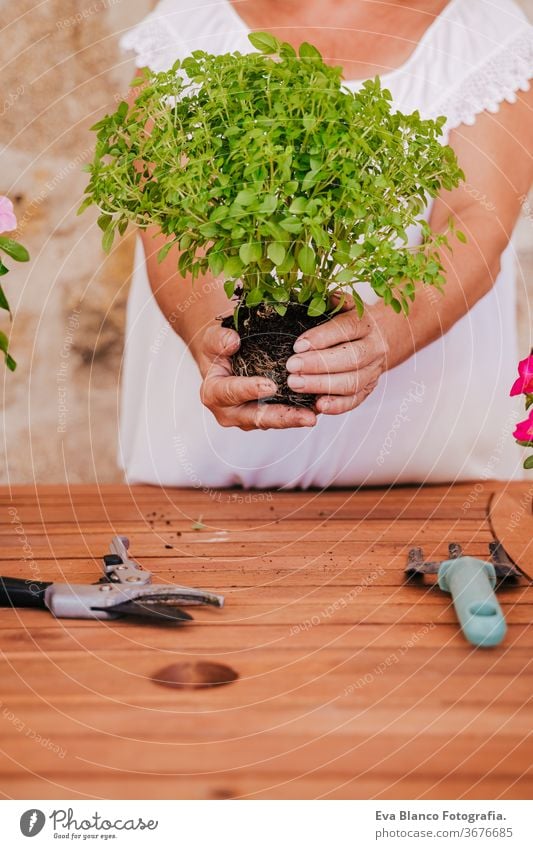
[351,684]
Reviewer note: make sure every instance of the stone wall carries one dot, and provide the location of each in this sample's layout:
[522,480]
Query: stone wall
[62,69]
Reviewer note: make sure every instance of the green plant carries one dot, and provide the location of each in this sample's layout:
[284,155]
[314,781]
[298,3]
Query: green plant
[17,252]
[263,168]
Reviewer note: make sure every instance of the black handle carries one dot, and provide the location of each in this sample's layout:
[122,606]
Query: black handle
[16,592]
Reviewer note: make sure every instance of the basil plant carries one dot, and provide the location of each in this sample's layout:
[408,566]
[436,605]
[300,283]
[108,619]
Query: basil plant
[265,169]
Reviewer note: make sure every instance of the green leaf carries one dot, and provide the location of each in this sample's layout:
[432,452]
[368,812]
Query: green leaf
[356,251]
[287,51]
[229,288]
[359,303]
[264,42]
[342,253]
[209,229]
[461,236]
[281,309]
[3,269]
[344,276]
[233,266]
[163,252]
[184,263]
[191,67]
[309,180]
[216,263]
[318,306]
[251,252]
[304,294]
[319,235]
[291,186]
[14,249]
[121,112]
[306,259]
[245,197]
[104,221]
[273,229]
[268,205]
[254,297]
[396,305]
[528,462]
[4,346]
[86,202]
[4,304]
[287,264]
[107,239]
[298,206]
[276,252]
[308,51]
[291,225]
[280,294]
[340,303]
[219,213]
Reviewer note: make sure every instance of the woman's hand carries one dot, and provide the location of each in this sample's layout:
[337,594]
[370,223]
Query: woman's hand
[340,361]
[233,400]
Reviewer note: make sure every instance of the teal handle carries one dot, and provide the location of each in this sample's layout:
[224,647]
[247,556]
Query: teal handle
[471,583]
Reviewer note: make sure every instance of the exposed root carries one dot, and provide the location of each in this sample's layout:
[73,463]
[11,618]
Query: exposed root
[266,345]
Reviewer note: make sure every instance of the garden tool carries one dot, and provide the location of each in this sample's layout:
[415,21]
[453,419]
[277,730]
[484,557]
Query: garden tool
[471,583]
[125,589]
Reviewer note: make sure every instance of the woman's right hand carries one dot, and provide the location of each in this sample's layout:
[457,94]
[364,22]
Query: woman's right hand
[234,400]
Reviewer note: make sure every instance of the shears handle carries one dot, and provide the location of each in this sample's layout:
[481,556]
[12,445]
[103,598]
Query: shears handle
[16,592]
[471,583]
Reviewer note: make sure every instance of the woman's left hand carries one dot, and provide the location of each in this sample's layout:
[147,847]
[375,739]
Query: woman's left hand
[340,361]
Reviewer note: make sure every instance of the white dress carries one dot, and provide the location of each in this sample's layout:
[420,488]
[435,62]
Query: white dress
[443,415]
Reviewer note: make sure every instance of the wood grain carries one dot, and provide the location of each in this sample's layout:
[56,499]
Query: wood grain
[351,683]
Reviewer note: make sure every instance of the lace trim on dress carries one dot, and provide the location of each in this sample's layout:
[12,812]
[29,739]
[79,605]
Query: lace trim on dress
[153,43]
[493,81]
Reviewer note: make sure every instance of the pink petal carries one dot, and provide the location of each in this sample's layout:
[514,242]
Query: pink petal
[8,222]
[525,367]
[524,430]
[8,219]
[524,383]
[518,386]
[5,204]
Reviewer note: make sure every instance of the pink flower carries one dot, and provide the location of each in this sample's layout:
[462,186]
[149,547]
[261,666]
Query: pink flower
[524,384]
[8,220]
[524,430]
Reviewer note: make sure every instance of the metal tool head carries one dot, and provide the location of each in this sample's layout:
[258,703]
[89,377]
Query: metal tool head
[119,568]
[147,607]
[129,591]
[417,567]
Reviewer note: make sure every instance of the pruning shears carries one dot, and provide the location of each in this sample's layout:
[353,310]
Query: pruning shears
[125,589]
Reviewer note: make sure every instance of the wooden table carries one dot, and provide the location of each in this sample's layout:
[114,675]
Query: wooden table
[351,685]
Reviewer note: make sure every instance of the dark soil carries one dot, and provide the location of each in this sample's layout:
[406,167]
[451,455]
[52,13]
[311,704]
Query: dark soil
[266,345]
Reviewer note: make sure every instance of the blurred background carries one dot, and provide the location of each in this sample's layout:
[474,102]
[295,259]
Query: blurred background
[62,69]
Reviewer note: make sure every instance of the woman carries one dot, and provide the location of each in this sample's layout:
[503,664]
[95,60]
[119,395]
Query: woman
[423,398]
